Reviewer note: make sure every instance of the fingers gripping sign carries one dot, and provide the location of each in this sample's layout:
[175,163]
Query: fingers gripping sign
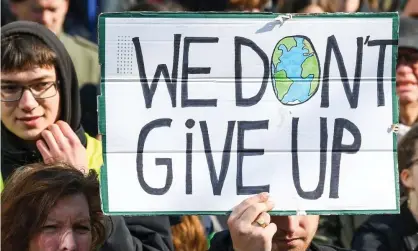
[249,224]
[59,143]
[263,220]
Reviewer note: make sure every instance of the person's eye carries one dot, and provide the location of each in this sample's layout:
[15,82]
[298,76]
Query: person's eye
[44,84]
[52,9]
[82,228]
[10,88]
[49,227]
[35,9]
[41,86]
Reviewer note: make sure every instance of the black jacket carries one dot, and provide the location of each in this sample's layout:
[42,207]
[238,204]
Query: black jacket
[222,242]
[138,233]
[397,232]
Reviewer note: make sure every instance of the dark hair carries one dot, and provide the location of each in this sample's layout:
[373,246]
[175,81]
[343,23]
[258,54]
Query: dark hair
[407,153]
[23,51]
[33,190]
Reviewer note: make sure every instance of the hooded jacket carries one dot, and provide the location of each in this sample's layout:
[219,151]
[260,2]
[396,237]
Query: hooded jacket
[125,233]
[17,152]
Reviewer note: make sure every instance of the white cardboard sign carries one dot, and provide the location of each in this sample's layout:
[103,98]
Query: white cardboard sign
[200,111]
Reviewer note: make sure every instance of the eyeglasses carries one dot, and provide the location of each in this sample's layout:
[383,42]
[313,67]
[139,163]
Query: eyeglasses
[13,92]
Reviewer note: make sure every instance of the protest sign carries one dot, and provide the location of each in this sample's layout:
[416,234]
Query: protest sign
[199,111]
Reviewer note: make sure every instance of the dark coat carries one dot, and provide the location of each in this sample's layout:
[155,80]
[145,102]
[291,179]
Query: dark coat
[139,233]
[222,242]
[397,232]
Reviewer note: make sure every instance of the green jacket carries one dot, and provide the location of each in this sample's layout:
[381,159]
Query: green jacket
[85,57]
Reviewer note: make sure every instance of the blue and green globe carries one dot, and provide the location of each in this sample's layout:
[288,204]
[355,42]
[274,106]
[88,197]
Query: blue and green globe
[295,70]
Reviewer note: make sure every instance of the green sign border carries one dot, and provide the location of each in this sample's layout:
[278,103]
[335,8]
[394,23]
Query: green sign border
[267,17]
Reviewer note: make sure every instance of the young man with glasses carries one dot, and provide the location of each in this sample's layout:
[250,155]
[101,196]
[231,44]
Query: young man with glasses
[40,103]
[40,115]
[407,73]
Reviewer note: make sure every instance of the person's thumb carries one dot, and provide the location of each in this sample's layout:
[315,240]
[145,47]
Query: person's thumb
[270,230]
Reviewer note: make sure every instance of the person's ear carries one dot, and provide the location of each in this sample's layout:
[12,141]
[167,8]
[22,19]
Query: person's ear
[67,5]
[406,178]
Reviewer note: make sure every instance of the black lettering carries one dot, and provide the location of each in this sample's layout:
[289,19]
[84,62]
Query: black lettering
[338,148]
[185,100]
[217,181]
[352,95]
[380,66]
[189,149]
[239,100]
[148,91]
[242,152]
[158,161]
[319,190]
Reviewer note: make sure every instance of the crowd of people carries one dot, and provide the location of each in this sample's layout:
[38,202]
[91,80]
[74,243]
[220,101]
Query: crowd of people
[51,152]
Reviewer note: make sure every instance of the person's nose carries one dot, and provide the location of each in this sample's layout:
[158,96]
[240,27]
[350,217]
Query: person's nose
[44,17]
[27,102]
[68,242]
[403,65]
[290,224]
[403,68]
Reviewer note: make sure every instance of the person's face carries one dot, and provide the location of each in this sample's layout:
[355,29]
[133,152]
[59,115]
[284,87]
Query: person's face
[67,227]
[28,116]
[409,175]
[50,13]
[350,5]
[294,233]
[407,75]
[411,8]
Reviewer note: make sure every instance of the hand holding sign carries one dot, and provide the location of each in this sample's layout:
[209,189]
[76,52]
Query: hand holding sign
[246,233]
[60,143]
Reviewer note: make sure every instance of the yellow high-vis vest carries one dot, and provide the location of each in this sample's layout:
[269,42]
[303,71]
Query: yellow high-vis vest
[94,155]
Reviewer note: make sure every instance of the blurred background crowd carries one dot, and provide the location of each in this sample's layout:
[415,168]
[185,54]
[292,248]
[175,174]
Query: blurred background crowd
[75,23]
[81,16]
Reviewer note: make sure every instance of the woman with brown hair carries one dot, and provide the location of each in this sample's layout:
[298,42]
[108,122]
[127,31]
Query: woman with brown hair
[51,207]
